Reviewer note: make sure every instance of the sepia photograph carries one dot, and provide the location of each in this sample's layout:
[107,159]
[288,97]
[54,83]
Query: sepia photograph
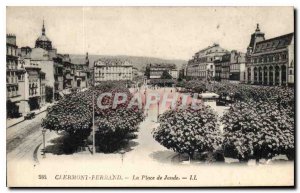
[150,96]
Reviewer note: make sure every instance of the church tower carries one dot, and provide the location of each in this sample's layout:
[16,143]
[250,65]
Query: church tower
[43,41]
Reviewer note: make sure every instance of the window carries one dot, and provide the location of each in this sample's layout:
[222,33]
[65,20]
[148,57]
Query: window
[284,57]
[265,59]
[270,58]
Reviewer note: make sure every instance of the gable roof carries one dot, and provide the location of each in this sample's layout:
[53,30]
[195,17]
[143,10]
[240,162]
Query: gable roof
[275,43]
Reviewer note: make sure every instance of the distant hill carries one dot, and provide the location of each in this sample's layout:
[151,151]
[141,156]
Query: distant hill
[139,62]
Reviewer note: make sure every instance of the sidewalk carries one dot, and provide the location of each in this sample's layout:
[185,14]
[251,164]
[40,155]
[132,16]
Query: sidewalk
[12,122]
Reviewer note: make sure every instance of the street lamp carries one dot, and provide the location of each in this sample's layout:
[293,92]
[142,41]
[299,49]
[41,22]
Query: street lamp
[44,142]
[122,152]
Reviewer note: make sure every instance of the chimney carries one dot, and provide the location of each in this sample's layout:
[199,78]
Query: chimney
[11,39]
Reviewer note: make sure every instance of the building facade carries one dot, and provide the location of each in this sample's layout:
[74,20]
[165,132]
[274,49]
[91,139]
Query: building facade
[230,67]
[32,86]
[225,67]
[237,66]
[270,61]
[58,76]
[68,72]
[202,65]
[13,96]
[112,69]
[155,71]
[82,74]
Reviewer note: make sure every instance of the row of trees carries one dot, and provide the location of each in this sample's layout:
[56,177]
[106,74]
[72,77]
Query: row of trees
[73,114]
[260,124]
[242,92]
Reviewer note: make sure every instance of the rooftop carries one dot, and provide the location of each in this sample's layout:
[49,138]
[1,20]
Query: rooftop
[275,43]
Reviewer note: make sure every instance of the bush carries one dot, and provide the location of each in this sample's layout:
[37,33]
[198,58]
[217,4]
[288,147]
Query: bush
[257,129]
[188,130]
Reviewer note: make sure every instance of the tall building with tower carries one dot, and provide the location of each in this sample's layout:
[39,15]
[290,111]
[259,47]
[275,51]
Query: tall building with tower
[43,41]
[270,61]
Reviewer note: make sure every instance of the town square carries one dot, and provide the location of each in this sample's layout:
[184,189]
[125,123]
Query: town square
[133,102]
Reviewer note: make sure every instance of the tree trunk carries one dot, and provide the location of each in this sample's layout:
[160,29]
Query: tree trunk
[257,161]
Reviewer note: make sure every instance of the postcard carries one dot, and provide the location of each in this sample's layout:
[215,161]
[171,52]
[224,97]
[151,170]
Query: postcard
[150,96]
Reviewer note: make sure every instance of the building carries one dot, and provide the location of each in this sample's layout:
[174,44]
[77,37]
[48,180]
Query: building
[230,67]
[174,73]
[218,69]
[68,72]
[43,41]
[135,73]
[32,86]
[155,71]
[112,69]
[13,96]
[41,57]
[182,71]
[225,67]
[47,59]
[270,61]
[202,65]
[82,74]
[237,66]
[58,76]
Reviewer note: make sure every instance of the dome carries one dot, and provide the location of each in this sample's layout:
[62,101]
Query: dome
[43,41]
[43,38]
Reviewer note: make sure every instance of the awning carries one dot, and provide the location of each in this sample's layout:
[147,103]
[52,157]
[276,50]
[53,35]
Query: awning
[208,95]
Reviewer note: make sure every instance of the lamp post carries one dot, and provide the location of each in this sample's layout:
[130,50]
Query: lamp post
[53,92]
[122,152]
[44,142]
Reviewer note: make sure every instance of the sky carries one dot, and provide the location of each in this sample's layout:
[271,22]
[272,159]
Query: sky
[163,32]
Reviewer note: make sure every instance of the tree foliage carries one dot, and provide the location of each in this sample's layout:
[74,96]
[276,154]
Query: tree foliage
[74,113]
[166,75]
[257,129]
[188,130]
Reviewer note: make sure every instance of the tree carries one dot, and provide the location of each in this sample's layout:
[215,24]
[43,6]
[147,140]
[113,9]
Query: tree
[188,130]
[257,129]
[147,72]
[117,129]
[166,75]
[73,114]
[12,110]
[49,94]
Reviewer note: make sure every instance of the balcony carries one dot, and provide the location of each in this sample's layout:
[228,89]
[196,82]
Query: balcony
[69,77]
[80,74]
[13,96]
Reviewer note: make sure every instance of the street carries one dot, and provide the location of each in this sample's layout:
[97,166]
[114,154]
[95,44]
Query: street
[24,138]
